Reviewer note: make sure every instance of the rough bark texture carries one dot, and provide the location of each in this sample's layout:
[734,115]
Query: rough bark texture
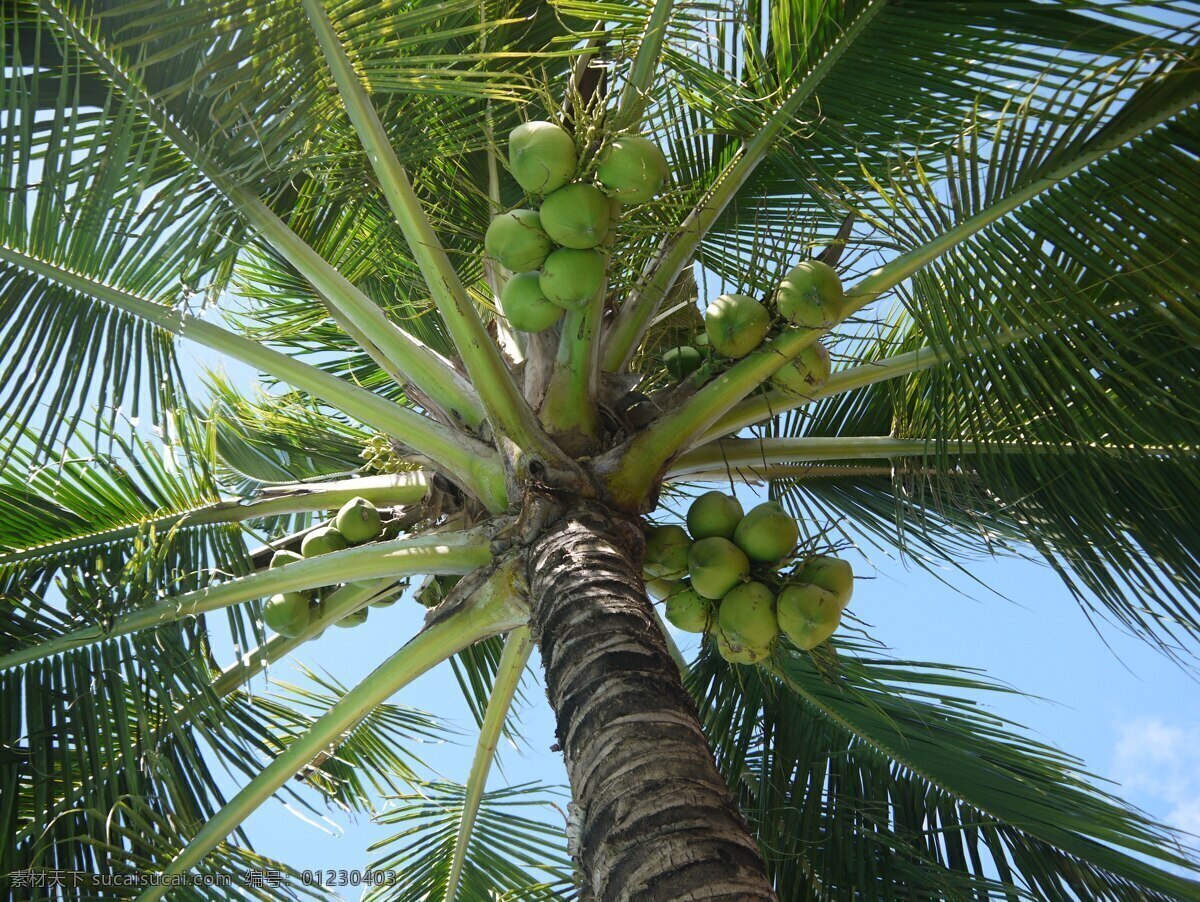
[653,819]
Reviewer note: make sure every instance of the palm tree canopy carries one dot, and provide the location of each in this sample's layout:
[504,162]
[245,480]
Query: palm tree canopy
[1007,191]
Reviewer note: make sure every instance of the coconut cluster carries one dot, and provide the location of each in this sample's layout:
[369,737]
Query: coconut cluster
[809,296]
[722,576]
[553,250]
[357,522]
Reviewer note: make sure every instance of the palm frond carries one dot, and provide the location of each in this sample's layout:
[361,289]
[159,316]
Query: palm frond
[1104,400]
[91,755]
[513,854]
[376,759]
[88,186]
[103,531]
[869,775]
[271,438]
[919,68]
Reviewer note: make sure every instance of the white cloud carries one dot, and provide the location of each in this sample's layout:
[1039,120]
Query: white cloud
[1158,766]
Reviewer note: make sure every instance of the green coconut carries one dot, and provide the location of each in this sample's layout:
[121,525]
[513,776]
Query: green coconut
[541,156]
[287,614]
[280,558]
[358,521]
[517,240]
[570,277]
[747,616]
[576,216]
[736,324]
[716,565]
[767,533]
[810,295]
[632,169]
[323,541]
[804,375]
[830,573]
[354,619]
[688,610]
[660,588]
[714,514]
[526,306]
[807,614]
[682,362]
[666,553]
[736,654]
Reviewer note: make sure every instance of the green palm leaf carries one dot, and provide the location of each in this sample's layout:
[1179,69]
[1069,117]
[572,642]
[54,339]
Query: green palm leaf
[513,853]
[886,777]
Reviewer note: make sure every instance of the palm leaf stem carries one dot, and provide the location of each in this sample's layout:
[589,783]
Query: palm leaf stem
[467,460]
[486,614]
[400,488]
[636,91]
[507,410]
[770,404]
[806,471]
[755,453]
[517,649]
[675,253]
[431,373]
[443,553]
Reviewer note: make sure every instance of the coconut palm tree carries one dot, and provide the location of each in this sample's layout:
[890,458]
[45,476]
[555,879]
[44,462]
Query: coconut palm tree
[304,188]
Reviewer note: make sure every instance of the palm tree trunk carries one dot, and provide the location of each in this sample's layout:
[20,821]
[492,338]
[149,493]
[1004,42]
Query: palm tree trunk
[652,817]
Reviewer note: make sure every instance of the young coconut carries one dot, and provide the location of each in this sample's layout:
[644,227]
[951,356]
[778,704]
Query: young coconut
[287,614]
[682,362]
[808,614]
[804,375]
[632,169]
[810,295]
[736,324]
[830,573]
[517,240]
[767,533]
[280,558]
[735,654]
[570,277]
[747,617]
[355,618]
[687,610]
[666,553]
[526,306]
[716,565]
[714,514]
[323,541]
[541,156]
[358,521]
[576,216]
[660,588]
